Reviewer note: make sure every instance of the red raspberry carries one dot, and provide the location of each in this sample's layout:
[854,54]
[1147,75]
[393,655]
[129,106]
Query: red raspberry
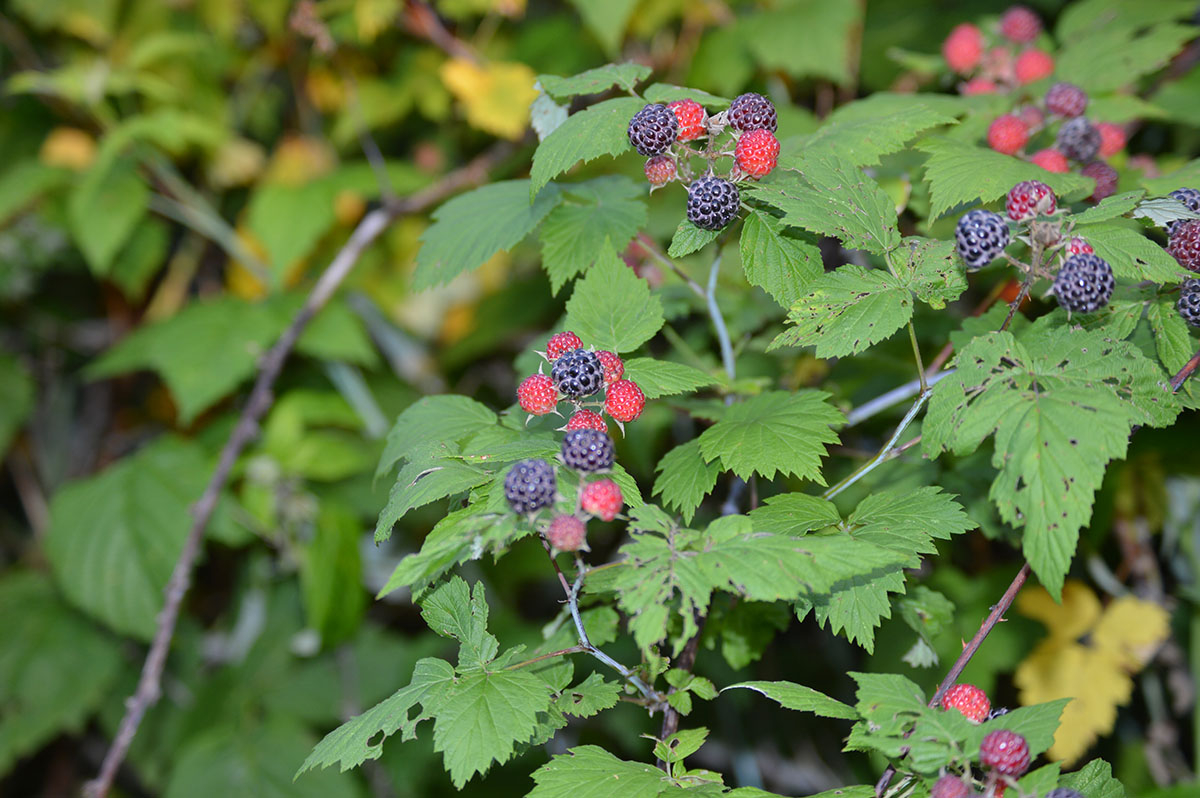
[1078,246]
[976,86]
[624,401]
[1029,198]
[567,533]
[614,368]
[587,419]
[1051,160]
[690,115]
[1033,65]
[1005,752]
[969,700]
[1105,177]
[757,152]
[950,786]
[561,343]
[1032,116]
[1184,244]
[1020,25]
[1007,134]
[660,170]
[602,499]
[537,394]
[1066,99]
[1112,138]
[963,48]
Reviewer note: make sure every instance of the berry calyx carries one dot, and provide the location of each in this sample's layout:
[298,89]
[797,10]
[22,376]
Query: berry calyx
[1190,197]
[587,450]
[1032,66]
[653,129]
[950,786]
[712,202]
[578,373]
[614,367]
[1084,284]
[1184,244]
[757,152]
[1078,246]
[1019,24]
[980,237]
[567,533]
[1078,139]
[1105,177]
[1029,198]
[660,170]
[561,343]
[963,48]
[1189,302]
[587,419]
[530,485]
[690,116]
[1007,134]
[624,401]
[752,111]
[537,395]
[1005,752]
[1051,160]
[1066,99]
[968,699]
[1112,139]
[602,499]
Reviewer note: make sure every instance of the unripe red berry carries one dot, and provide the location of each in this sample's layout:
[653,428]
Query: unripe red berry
[660,170]
[567,533]
[1112,138]
[1007,134]
[624,401]
[690,115]
[1051,160]
[968,699]
[757,152]
[537,394]
[963,48]
[1020,25]
[1033,65]
[602,499]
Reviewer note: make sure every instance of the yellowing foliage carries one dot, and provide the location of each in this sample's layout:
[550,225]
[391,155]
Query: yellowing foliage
[68,147]
[1096,671]
[496,96]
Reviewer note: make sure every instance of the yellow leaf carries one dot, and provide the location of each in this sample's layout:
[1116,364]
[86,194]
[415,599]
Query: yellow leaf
[69,147]
[374,16]
[496,96]
[299,159]
[1078,612]
[1131,630]
[238,161]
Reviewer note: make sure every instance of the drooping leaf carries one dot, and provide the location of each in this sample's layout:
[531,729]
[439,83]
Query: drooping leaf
[801,698]
[612,308]
[606,20]
[689,238]
[781,265]
[289,220]
[586,135]
[606,212]
[425,480]
[909,521]
[805,38]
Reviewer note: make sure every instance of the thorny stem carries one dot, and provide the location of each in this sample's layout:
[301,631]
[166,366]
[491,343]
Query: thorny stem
[871,464]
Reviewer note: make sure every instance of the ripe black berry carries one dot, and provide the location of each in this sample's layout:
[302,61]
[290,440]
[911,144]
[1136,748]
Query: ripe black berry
[530,485]
[981,237]
[1189,302]
[587,450]
[652,129]
[752,111]
[1189,197]
[1079,139]
[1084,284]
[578,373]
[1184,244]
[1064,792]
[712,202]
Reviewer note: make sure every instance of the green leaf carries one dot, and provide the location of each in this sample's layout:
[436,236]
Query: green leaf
[1061,404]
[930,269]
[689,238]
[1172,337]
[1086,17]
[114,537]
[16,399]
[605,212]
[856,606]
[594,81]
[800,698]
[588,771]
[781,265]
[288,221]
[103,210]
[665,93]
[1112,57]
[458,612]
[864,130]
[774,432]
[805,38]
[598,130]
[331,575]
[446,418]
[423,481]
[251,759]
[1095,780]
[612,308]
[471,228]
[794,514]
[1186,175]
[606,20]
[835,198]
[1110,207]
[685,479]
[909,521]
[658,378]
[462,535]
[1162,210]
[591,696]
[24,182]
[959,173]
[1132,255]
[42,687]
[1037,724]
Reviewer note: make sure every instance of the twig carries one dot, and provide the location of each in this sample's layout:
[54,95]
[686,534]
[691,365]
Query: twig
[1021,297]
[562,652]
[714,311]
[423,21]
[649,247]
[993,617]
[883,453]
[1179,379]
[912,336]
[149,684]
[892,397]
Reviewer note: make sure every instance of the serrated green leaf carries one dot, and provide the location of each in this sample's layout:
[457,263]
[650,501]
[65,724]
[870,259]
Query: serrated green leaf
[927,612]
[1055,427]
[774,432]
[594,81]
[847,311]
[862,135]
[684,479]
[606,20]
[103,210]
[805,38]
[959,173]
[665,93]
[605,209]
[459,612]
[1131,255]
[858,605]
[794,514]
[1095,780]
[423,481]
[612,308]
[1161,210]
[930,269]
[598,130]
[1110,208]
[909,521]
[1112,57]
[779,264]
[800,698]
[658,378]
[16,399]
[448,418]
[472,227]
[589,697]
[1037,724]
[588,771]
[1186,175]
[689,238]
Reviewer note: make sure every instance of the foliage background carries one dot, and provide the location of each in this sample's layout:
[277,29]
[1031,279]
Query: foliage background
[176,175]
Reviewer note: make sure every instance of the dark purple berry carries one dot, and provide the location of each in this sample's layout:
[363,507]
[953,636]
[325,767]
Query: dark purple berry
[1084,284]
[980,236]
[578,373]
[653,129]
[712,202]
[530,485]
[752,111]
[587,450]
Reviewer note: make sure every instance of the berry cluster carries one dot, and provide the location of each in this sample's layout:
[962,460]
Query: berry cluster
[577,374]
[662,132]
[1000,59]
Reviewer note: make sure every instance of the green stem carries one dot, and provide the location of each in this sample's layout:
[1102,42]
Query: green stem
[871,464]
[912,336]
[560,653]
